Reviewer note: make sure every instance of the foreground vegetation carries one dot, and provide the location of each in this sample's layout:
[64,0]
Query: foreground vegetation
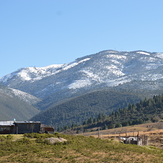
[32,148]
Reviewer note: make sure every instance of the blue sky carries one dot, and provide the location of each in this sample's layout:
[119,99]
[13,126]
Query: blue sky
[44,32]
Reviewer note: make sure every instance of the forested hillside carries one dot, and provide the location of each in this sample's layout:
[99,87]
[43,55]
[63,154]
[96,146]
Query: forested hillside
[78,109]
[147,110]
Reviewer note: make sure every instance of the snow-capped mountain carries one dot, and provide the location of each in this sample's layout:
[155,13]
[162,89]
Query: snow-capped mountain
[31,74]
[104,69]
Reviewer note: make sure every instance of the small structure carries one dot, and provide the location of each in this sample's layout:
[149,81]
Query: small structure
[6,127]
[138,140]
[19,127]
[46,129]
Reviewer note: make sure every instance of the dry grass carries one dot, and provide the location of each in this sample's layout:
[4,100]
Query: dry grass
[154,131]
[81,149]
[147,127]
[15,136]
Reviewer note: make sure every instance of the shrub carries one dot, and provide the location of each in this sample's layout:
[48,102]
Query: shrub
[9,137]
[25,141]
[2,138]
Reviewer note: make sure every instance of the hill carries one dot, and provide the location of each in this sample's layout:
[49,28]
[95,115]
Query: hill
[16,104]
[76,110]
[147,110]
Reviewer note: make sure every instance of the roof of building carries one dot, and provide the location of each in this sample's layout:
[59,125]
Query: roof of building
[6,123]
[27,122]
[11,123]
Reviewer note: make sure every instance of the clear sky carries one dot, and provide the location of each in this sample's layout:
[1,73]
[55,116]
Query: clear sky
[44,32]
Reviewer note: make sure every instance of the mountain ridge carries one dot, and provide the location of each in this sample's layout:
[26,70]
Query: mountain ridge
[103,70]
[120,67]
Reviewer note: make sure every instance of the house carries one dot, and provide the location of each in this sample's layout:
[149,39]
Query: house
[19,127]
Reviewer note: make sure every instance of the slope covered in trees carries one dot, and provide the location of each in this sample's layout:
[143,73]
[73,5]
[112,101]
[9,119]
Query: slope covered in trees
[147,110]
[78,109]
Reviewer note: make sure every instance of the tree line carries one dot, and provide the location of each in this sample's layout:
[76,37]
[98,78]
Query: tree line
[147,110]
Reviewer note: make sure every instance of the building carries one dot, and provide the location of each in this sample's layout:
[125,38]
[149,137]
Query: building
[46,129]
[138,140]
[6,127]
[19,127]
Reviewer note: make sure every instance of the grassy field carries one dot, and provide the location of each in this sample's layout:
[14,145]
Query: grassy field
[32,148]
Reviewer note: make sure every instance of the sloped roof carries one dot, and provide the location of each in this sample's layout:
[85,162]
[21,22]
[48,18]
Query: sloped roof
[11,123]
[6,123]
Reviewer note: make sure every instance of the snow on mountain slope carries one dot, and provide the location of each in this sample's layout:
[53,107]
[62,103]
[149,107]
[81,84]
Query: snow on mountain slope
[32,73]
[109,68]
[23,96]
[16,104]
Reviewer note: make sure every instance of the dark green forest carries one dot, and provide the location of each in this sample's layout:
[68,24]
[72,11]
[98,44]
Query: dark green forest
[79,109]
[147,110]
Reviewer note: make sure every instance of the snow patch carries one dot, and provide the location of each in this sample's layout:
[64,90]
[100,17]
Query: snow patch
[145,53]
[115,70]
[24,75]
[73,64]
[118,73]
[151,77]
[115,61]
[20,93]
[91,75]
[116,56]
[24,96]
[116,82]
[55,66]
[80,84]
[111,67]
[148,59]
[152,66]
[159,55]
[32,73]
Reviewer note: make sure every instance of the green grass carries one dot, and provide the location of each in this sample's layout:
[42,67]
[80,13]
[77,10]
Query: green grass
[33,149]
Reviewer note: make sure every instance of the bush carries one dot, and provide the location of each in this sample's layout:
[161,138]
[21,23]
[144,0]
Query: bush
[32,135]
[25,141]
[9,137]
[40,140]
[2,138]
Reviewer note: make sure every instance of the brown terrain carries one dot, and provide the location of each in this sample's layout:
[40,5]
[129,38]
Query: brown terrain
[154,131]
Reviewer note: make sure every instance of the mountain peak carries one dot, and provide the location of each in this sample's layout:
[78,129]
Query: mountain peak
[31,73]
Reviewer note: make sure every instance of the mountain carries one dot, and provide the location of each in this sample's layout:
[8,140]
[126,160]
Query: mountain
[78,109]
[135,70]
[15,104]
